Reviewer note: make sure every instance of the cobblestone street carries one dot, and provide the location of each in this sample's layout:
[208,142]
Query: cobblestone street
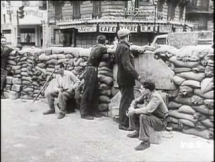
[31,137]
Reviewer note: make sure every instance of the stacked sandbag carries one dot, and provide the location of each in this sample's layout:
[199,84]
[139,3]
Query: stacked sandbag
[191,111]
[105,76]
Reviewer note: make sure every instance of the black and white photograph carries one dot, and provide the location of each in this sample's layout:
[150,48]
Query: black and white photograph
[107,81]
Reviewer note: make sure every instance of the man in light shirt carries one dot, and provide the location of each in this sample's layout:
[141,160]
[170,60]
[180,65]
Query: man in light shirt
[152,114]
[64,89]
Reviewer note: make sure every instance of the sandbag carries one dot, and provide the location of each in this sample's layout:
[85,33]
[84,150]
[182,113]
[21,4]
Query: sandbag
[186,109]
[178,115]
[17,67]
[104,99]
[48,51]
[13,95]
[207,123]
[209,71]
[24,73]
[13,53]
[174,105]
[58,50]
[207,85]
[178,80]
[199,126]
[43,57]
[27,89]
[26,82]
[199,116]
[27,78]
[211,118]
[84,52]
[105,79]
[209,103]
[203,109]
[167,48]
[181,69]
[175,126]
[73,51]
[194,100]
[185,91]
[52,61]
[207,95]
[11,62]
[192,76]
[7,88]
[59,57]
[204,134]
[105,73]
[172,120]
[191,83]
[41,65]
[24,69]
[9,80]
[40,69]
[83,64]
[198,69]
[179,63]
[105,92]
[187,122]
[103,107]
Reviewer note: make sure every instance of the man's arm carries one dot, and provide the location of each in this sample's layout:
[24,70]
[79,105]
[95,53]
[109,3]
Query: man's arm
[74,79]
[136,101]
[151,107]
[127,63]
[57,85]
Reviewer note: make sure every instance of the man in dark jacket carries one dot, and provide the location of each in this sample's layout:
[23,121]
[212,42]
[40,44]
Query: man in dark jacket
[5,51]
[89,100]
[126,76]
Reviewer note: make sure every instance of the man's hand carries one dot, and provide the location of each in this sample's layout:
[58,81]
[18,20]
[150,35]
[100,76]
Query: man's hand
[131,111]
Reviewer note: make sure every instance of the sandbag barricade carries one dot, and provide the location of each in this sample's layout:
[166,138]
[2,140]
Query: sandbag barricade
[192,108]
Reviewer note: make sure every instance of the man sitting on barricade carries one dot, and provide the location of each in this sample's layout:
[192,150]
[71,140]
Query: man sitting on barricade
[64,88]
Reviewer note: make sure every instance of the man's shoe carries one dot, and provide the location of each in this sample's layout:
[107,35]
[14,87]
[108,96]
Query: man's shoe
[61,116]
[123,127]
[133,135]
[87,117]
[142,146]
[49,112]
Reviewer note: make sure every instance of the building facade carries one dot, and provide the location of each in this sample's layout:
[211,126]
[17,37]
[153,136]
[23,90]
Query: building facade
[77,23]
[200,12]
[31,26]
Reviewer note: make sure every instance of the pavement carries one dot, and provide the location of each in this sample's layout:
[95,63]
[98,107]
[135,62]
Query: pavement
[32,137]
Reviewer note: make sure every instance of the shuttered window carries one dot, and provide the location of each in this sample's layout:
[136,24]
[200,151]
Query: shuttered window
[76,10]
[96,9]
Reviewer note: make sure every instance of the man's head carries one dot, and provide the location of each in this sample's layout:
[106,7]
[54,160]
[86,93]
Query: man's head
[101,39]
[123,34]
[60,68]
[148,87]
[3,41]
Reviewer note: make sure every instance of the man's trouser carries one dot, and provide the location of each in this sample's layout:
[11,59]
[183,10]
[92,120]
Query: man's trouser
[89,100]
[142,122]
[3,80]
[63,98]
[125,102]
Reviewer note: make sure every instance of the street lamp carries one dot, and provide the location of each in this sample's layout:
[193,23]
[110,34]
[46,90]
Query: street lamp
[155,4]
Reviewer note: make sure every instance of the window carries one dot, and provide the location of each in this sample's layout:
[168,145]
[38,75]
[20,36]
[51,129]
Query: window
[76,10]
[4,17]
[7,35]
[133,3]
[43,5]
[58,10]
[96,9]
[202,24]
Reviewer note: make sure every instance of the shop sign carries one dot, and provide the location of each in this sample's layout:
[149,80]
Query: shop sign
[34,13]
[131,27]
[107,28]
[147,28]
[165,28]
[87,28]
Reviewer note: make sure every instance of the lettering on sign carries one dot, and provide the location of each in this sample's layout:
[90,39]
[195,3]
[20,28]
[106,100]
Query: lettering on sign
[132,28]
[107,28]
[147,28]
[34,13]
[165,28]
[83,29]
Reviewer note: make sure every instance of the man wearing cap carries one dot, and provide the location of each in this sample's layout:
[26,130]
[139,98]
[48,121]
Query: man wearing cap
[126,76]
[5,51]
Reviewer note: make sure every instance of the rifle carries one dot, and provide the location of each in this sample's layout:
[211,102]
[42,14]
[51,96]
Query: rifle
[45,84]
